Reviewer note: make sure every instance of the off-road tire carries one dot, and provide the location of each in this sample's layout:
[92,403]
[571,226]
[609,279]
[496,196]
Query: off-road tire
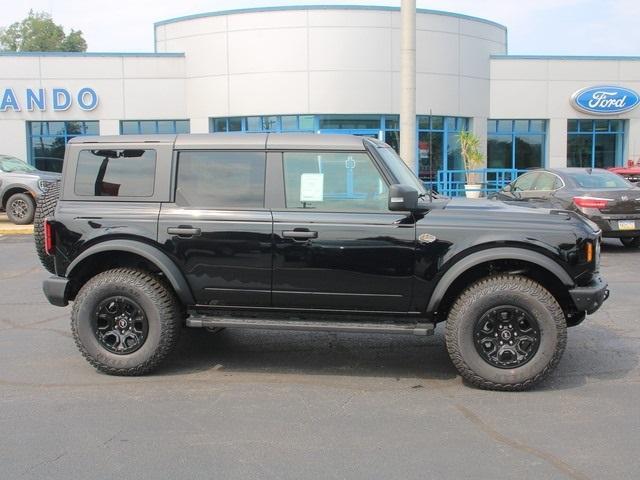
[30,208]
[491,292]
[159,304]
[45,208]
[631,242]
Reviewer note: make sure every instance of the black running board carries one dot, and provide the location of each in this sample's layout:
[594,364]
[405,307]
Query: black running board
[420,329]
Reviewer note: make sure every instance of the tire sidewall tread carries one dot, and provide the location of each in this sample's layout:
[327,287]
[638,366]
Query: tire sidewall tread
[505,290]
[45,208]
[30,201]
[160,307]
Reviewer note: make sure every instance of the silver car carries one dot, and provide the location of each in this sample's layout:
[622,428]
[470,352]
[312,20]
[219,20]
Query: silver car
[20,186]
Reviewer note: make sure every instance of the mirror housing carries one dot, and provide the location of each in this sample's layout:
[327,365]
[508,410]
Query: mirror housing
[507,188]
[403,198]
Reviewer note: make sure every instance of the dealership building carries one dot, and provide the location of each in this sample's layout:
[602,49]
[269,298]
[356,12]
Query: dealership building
[331,69]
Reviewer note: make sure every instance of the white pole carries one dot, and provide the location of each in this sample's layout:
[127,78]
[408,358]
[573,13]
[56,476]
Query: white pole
[408,84]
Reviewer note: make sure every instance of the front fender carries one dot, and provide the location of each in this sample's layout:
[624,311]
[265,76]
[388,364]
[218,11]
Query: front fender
[150,253]
[498,253]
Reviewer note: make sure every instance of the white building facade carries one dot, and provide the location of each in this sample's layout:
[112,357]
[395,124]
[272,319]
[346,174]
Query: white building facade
[329,69]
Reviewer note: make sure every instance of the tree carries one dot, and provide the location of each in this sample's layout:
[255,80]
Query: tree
[38,33]
[471,155]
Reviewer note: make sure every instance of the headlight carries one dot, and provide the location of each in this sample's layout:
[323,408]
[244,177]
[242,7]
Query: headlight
[43,185]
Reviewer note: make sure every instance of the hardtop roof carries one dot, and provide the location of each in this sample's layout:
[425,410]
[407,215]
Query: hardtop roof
[253,141]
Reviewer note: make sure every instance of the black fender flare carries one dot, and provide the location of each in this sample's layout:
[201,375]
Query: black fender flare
[155,256]
[498,253]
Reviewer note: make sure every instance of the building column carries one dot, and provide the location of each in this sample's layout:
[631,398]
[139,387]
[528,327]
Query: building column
[632,141]
[408,132]
[199,125]
[109,127]
[556,148]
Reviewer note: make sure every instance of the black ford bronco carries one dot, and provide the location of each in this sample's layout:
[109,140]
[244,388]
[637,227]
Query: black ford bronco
[148,234]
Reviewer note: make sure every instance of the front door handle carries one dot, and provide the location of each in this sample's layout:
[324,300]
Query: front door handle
[184,231]
[299,234]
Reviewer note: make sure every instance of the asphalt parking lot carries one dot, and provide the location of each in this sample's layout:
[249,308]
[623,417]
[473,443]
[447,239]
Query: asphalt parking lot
[254,404]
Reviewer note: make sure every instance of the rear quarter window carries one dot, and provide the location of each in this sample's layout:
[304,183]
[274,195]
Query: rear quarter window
[115,173]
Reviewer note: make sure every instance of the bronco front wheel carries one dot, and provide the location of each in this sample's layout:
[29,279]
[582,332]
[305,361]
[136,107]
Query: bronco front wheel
[506,333]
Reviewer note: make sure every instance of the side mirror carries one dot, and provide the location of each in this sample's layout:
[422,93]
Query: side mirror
[403,198]
[507,188]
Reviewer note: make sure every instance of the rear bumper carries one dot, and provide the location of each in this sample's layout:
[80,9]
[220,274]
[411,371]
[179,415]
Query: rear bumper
[590,297]
[55,289]
[621,233]
[610,228]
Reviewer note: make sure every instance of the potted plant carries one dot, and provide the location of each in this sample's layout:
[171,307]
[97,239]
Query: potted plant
[473,159]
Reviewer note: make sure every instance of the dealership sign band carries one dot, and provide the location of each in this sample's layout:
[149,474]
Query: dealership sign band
[40,100]
[605,100]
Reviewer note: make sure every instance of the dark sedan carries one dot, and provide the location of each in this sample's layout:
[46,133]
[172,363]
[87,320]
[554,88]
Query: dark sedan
[603,197]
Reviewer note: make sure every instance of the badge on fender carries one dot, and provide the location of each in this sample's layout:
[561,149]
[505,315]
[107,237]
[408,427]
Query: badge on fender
[426,238]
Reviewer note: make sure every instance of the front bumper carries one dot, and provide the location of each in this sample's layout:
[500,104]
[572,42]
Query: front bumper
[55,289]
[590,297]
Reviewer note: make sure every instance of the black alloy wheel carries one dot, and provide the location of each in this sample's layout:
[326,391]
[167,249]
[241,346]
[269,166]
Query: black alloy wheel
[120,325]
[506,336]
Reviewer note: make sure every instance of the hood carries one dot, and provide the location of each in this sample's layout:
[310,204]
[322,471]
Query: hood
[484,214]
[494,205]
[31,176]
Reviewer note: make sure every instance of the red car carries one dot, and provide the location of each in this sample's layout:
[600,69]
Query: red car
[631,172]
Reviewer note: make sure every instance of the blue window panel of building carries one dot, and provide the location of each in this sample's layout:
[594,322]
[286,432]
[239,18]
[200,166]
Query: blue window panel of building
[516,144]
[436,134]
[438,148]
[47,140]
[138,127]
[595,143]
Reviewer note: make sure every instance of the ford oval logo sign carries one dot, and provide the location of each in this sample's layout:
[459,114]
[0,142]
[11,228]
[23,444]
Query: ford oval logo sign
[605,100]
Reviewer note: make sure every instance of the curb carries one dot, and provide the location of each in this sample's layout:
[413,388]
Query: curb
[17,230]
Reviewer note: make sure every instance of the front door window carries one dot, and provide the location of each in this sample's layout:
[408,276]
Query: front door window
[333,182]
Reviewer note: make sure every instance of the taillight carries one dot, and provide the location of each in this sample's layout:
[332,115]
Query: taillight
[48,237]
[591,202]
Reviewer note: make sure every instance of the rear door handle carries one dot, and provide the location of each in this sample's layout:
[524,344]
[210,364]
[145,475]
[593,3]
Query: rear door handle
[184,231]
[299,234]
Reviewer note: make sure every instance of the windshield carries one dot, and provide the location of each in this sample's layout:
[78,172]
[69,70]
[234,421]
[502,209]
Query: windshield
[598,180]
[400,170]
[12,164]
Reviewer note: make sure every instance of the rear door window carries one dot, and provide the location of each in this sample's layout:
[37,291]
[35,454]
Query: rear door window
[116,173]
[218,180]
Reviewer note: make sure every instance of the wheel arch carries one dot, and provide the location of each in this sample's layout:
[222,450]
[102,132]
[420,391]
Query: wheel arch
[97,255]
[16,188]
[478,264]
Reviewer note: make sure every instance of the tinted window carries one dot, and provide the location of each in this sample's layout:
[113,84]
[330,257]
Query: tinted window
[333,181]
[599,180]
[525,182]
[221,179]
[116,173]
[547,181]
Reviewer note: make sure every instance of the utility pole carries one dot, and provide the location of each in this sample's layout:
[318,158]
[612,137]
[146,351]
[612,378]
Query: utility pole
[408,84]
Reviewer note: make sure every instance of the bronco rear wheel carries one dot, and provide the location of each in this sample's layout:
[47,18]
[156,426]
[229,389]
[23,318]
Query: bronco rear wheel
[125,321]
[505,333]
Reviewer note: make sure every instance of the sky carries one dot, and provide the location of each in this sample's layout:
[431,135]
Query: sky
[536,27]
